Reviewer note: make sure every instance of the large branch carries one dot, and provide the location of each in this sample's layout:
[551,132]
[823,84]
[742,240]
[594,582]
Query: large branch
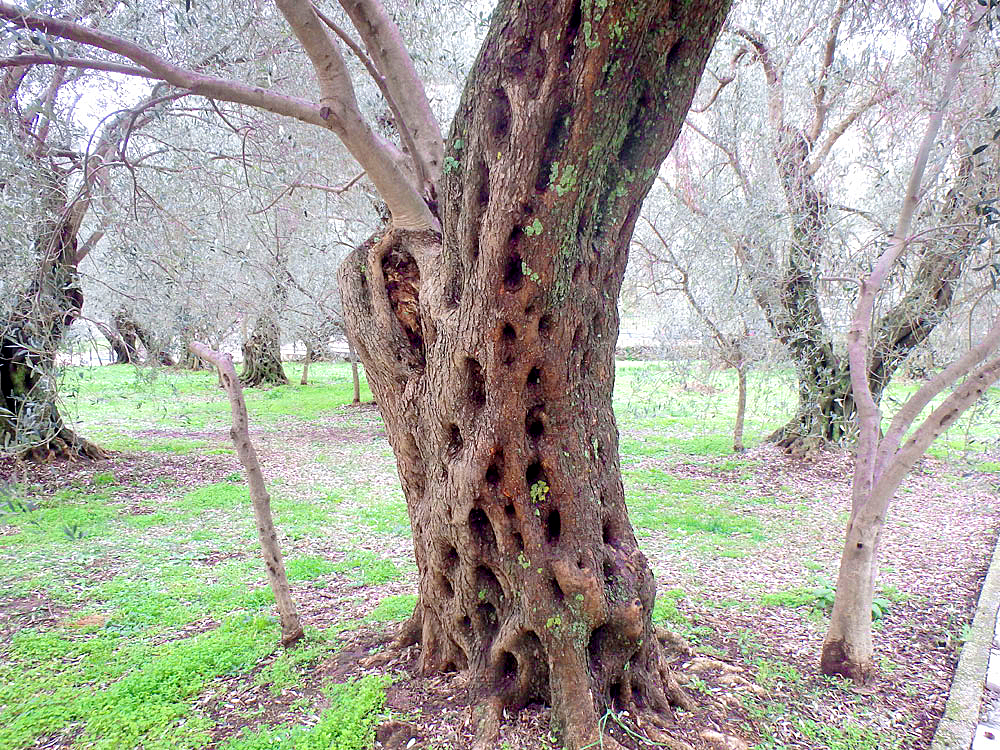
[909,412]
[385,45]
[376,156]
[939,420]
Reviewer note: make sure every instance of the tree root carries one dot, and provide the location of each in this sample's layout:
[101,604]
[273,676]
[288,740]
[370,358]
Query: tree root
[65,445]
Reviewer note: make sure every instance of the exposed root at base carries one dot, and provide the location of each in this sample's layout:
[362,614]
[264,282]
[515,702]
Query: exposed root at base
[66,445]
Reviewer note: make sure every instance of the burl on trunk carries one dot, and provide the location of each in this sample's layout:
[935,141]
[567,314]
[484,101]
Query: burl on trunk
[490,351]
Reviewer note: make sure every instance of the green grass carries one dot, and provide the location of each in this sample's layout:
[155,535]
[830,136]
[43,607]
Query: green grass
[348,724]
[394,608]
[182,612]
[368,568]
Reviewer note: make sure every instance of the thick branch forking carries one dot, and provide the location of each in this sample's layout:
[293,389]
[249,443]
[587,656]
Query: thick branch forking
[937,422]
[868,454]
[385,46]
[908,413]
[423,176]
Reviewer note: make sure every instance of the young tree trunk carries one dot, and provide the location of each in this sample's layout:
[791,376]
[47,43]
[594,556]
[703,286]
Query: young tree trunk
[262,356]
[880,464]
[355,376]
[741,407]
[291,626]
[304,380]
[490,352]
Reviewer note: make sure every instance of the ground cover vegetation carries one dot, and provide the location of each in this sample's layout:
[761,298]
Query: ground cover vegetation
[137,613]
[554,533]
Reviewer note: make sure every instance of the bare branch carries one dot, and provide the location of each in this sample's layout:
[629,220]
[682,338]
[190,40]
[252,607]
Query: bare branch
[775,96]
[337,112]
[819,98]
[385,45]
[820,155]
[730,154]
[291,626]
[423,176]
[77,62]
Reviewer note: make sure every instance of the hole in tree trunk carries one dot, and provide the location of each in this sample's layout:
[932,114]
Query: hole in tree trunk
[487,586]
[553,142]
[578,273]
[510,510]
[595,647]
[495,470]
[455,441]
[518,541]
[507,671]
[481,529]
[465,626]
[609,571]
[476,384]
[544,325]
[513,273]
[534,474]
[534,376]
[508,343]
[488,620]
[446,589]
[637,689]
[615,693]
[450,558]
[499,114]
[553,527]
[609,534]
[533,424]
[557,592]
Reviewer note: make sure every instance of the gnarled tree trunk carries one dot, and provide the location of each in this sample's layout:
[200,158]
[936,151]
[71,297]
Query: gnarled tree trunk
[29,338]
[262,356]
[490,352]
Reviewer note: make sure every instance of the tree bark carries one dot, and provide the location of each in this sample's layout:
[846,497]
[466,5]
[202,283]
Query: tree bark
[291,626]
[262,356]
[490,352]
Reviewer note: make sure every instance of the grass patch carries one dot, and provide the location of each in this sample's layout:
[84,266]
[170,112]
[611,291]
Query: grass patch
[368,568]
[393,608]
[348,724]
[308,568]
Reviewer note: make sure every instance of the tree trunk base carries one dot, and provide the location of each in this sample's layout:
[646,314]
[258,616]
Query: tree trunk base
[65,445]
[650,716]
[807,433]
[836,660]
